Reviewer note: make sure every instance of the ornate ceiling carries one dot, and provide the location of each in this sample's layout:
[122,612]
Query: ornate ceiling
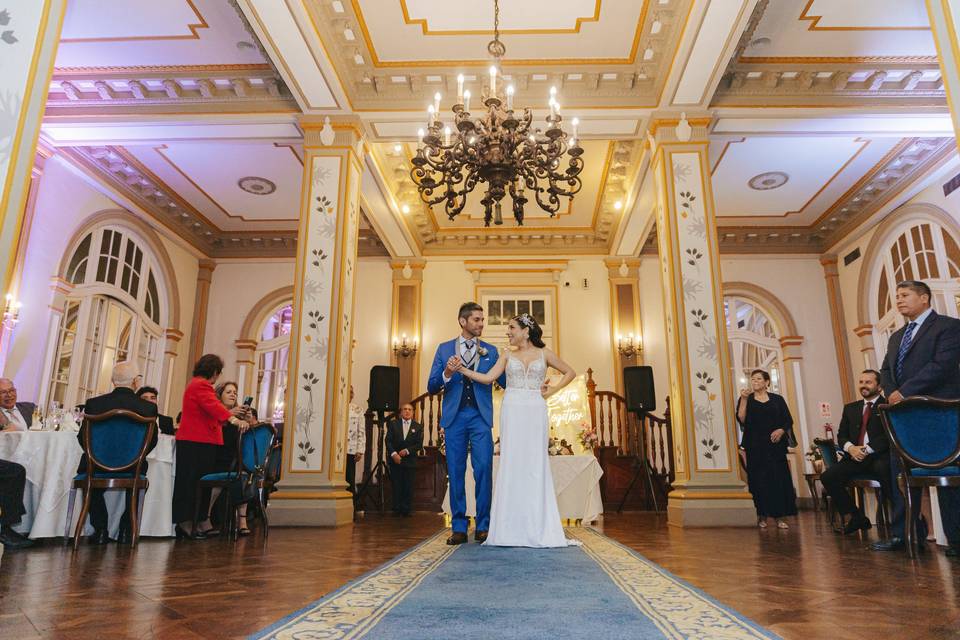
[824,114]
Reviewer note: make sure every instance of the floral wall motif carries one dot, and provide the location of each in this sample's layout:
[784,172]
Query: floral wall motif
[316,297]
[345,346]
[698,307]
[19,22]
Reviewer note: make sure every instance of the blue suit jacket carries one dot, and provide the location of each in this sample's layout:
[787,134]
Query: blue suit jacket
[932,364]
[453,390]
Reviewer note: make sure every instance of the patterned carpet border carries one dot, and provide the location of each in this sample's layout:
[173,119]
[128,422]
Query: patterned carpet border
[680,610]
[356,607]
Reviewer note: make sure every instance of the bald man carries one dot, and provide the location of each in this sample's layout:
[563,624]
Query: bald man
[126,379]
[14,416]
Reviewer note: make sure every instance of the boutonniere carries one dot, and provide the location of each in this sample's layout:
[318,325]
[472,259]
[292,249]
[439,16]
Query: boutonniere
[482,351]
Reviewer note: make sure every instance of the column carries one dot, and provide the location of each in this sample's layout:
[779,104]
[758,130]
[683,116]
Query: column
[626,333]
[170,349]
[944,22]
[835,302]
[708,490]
[246,367]
[868,347]
[28,54]
[405,325]
[201,301]
[313,490]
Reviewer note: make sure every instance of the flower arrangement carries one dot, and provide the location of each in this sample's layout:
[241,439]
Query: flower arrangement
[813,453]
[588,437]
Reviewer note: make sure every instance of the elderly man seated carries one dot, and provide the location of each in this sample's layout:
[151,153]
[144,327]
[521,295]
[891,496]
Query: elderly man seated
[126,378]
[14,416]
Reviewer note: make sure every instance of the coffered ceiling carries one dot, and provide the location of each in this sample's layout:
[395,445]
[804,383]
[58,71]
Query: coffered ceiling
[826,113]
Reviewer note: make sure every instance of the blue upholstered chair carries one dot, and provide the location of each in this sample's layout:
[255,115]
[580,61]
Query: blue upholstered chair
[828,451]
[116,445]
[253,451]
[925,433]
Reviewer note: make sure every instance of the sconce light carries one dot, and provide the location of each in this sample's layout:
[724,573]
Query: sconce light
[11,311]
[405,347]
[629,346]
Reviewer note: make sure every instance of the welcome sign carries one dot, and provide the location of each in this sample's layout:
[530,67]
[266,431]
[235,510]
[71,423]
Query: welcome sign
[569,412]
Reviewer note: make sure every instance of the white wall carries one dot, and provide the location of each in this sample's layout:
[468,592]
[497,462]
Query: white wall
[236,286]
[654,328]
[64,202]
[371,322]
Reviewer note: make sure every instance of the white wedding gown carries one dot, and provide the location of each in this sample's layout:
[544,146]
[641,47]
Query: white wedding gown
[524,511]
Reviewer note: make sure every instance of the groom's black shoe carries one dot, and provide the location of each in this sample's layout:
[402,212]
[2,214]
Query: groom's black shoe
[457,538]
[480,536]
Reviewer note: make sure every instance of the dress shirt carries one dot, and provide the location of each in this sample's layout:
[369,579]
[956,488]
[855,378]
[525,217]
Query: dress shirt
[406,428]
[460,349]
[871,402]
[919,321]
[15,418]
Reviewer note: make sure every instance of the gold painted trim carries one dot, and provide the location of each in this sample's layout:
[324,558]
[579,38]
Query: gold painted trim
[160,151]
[425,28]
[955,50]
[312,495]
[192,27]
[163,69]
[376,62]
[914,60]
[15,145]
[293,150]
[814,20]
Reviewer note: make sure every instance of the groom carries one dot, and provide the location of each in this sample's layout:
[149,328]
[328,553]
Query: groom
[467,417]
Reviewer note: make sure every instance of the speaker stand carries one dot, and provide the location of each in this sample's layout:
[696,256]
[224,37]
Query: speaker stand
[379,471]
[641,466]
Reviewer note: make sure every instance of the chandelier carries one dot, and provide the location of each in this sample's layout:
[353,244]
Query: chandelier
[499,148]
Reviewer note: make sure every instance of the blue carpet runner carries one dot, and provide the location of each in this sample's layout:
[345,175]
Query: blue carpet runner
[598,591]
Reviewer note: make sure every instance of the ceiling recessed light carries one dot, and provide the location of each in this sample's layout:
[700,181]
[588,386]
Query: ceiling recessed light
[618,205]
[397,148]
[405,209]
[348,34]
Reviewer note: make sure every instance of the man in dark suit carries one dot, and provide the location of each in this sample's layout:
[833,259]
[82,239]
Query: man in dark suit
[14,416]
[404,440]
[13,481]
[125,379]
[922,359]
[165,423]
[866,451]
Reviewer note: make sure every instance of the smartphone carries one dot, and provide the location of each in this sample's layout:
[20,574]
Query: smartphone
[248,401]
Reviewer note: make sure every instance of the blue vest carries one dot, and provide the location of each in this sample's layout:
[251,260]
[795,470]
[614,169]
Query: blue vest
[468,398]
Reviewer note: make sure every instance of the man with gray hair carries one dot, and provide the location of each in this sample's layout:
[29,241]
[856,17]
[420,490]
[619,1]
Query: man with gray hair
[14,416]
[126,379]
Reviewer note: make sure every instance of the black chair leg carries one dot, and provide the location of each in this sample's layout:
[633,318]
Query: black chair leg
[908,527]
[196,511]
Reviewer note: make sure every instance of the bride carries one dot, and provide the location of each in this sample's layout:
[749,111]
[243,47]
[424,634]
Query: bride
[524,512]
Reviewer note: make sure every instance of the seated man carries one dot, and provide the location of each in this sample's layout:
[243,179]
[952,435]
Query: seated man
[125,379]
[865,452]
[14,416]
[165,423]
[13,480]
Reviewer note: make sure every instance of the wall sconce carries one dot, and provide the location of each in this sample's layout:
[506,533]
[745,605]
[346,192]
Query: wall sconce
[404,347]
[629,346]
[11,311]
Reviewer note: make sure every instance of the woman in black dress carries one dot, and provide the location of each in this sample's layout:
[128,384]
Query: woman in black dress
[767,428]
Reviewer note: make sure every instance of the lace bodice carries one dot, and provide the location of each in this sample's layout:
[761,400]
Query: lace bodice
[530,378]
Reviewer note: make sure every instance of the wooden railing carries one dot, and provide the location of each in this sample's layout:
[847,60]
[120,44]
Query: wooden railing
[618,428]
[624,438]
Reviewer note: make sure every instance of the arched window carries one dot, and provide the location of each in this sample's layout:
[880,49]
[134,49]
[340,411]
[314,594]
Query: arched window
[112,313]
[754,343]
[273,348]
[919,248]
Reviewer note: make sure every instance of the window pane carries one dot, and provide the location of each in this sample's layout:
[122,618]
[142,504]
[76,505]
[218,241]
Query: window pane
[78,262]
[539,311]
[509,310]
[493,312]
[883,295]
[523,306]
[154,298]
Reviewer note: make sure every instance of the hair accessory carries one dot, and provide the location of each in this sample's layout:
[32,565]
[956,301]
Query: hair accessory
[526,320]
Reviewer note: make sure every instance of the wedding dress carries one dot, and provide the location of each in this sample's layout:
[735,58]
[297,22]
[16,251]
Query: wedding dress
[524,511]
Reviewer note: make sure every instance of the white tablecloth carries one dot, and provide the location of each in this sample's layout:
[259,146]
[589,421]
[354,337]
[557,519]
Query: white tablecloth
[576,481]
[51,459]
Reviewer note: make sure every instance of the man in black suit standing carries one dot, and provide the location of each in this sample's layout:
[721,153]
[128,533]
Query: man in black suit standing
[125,379]
[14,416]
[404,440]
[866,451]
[923,359]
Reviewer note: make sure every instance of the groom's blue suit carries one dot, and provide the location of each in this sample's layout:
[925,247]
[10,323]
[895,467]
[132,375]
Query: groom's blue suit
[467,417]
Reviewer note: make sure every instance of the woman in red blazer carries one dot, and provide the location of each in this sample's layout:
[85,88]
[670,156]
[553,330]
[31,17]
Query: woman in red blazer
[198,439]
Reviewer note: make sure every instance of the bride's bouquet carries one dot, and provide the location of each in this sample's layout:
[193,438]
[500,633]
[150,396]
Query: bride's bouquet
[588,438]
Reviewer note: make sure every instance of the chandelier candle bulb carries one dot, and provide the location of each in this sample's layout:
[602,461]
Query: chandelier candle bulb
[460,89]
[574,123]
[436,102]
[431,116]
[510,98]
[466,99]
[446,136]
[493,81]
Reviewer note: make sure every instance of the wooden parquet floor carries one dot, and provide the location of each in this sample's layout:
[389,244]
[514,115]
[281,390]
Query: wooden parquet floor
[805,583]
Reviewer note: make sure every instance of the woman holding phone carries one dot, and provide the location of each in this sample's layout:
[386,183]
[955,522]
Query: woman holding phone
[227,454]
